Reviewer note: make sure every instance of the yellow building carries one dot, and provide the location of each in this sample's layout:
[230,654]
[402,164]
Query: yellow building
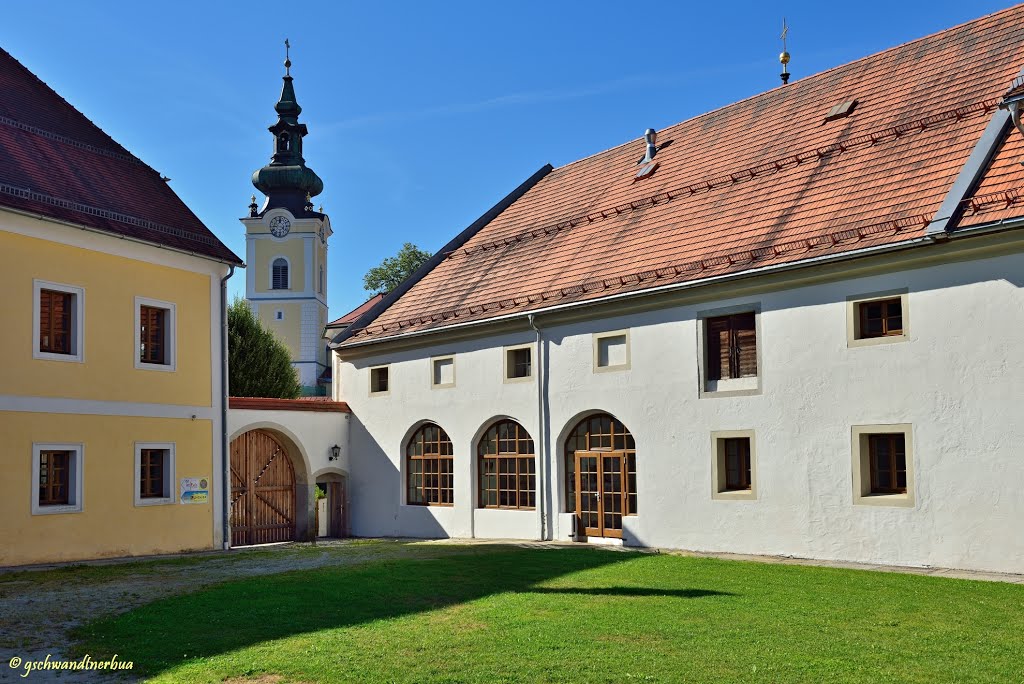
[286,248]
[112,392]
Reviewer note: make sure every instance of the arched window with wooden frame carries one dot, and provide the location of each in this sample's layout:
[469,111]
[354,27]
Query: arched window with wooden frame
[429,467]
[508,467]
[600,475]
[279,274]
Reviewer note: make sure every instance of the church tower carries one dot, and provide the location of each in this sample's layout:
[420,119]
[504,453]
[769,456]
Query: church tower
[286,246]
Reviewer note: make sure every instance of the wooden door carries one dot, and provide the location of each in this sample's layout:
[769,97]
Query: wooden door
[262,491]
[600,494]
[336,506]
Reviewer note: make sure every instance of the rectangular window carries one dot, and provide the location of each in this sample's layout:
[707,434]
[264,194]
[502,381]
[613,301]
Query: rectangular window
[518,363]
[154,473]
[611,351]
[731,346]
[442,372]
[883,471]
[733,466]
[379,380]
[737,463]
[154,334]
[153,328]
[888,456]
[57,321]
[878,318]
[56,478]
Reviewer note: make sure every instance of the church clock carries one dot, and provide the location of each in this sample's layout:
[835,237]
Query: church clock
[279,226]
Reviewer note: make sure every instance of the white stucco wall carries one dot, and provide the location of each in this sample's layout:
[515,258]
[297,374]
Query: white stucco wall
[957,381]
[312,432]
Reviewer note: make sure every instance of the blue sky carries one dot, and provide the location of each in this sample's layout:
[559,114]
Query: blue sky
[421,115]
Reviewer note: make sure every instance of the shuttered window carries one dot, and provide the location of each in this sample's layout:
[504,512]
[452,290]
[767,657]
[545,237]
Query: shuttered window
[55,321]
[279,274]
[152,335]
[731,346]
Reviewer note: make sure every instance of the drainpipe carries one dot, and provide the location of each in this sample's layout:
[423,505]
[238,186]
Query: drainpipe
[542,439]
[225,447]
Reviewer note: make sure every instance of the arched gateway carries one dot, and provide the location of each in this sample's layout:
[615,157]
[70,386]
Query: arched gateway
[262,490]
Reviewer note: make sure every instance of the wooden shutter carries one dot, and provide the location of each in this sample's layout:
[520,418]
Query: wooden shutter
[54,322]
[745,346]
[152,334]
[718,347]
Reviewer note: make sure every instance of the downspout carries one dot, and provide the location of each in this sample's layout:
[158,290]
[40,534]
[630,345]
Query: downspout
[542,438]
[224,446]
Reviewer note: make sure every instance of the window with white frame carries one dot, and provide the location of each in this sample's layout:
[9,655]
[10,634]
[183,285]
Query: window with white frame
[155,335]
[154,473]
[57,478]
[57,321]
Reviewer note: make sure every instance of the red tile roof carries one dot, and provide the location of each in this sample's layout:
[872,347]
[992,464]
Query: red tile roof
[56,163]
[355,313]
[760,182]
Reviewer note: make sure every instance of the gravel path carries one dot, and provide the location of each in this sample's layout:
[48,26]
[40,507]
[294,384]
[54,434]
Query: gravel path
[39,608]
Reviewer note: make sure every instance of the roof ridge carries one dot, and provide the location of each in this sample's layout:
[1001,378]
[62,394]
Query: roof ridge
[798,82]
[770,167]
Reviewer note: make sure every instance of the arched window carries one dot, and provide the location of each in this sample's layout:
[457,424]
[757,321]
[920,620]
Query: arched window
[279,274]
[508,475]
[429,461]
[600,474]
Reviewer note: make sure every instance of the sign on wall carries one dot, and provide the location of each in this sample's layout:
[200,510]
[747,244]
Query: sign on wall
[195,490]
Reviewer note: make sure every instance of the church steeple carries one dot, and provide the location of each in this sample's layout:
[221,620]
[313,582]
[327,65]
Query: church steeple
[286,180]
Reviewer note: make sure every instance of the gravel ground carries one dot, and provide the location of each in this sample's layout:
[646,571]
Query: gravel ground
[39,608]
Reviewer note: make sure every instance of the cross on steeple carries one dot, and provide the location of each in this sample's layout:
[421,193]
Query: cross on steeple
[287,58]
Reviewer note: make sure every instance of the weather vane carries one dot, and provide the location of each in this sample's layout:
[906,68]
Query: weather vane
[287,58]
[784,55]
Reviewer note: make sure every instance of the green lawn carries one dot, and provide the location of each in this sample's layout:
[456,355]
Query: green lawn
[501,614]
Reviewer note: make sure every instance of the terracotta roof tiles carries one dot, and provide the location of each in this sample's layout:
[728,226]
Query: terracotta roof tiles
[763,181]
[58,164]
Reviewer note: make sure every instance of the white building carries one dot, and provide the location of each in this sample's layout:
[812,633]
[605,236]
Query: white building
[794,327]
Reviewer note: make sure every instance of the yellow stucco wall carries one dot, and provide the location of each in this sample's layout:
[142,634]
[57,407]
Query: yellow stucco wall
[111,284]
[267,250]
[110,524]
[289,331]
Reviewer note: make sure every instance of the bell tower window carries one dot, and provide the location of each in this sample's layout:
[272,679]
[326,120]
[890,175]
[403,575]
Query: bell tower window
[279,274]
[283,142]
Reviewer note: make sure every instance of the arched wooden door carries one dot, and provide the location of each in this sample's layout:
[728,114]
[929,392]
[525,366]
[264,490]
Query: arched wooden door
[262,491]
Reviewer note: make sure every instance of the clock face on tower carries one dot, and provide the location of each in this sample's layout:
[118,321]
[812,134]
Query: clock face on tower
[279,226]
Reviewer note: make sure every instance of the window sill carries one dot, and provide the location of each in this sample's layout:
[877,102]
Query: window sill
[53,356]
[430,505]
[525,378]
[162,367]
[875,341]
[55,510]
[506,508]
[735,387]
[896,500]
[735,495]
[168,501]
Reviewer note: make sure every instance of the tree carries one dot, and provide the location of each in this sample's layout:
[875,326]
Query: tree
[393,270]
[258,363]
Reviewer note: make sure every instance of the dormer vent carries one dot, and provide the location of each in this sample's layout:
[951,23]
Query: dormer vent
[841,110]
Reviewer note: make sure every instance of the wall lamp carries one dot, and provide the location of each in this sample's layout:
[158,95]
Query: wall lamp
[335,452]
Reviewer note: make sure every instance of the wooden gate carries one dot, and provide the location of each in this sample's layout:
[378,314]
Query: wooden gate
[262,491]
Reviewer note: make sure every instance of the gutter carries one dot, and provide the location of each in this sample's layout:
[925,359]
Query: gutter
[1002,225]
[225,447]
[541,433]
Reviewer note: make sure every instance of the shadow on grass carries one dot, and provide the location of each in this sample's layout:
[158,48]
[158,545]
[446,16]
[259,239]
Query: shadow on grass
[238,614]
[629,591]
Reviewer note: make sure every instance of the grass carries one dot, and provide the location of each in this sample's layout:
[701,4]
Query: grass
[498,614]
